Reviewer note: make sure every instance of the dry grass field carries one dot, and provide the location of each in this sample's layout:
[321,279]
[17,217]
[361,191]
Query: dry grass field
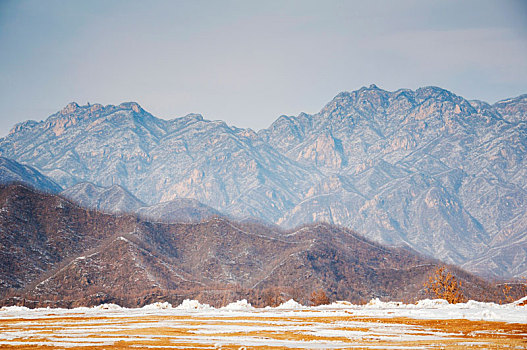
[252,329]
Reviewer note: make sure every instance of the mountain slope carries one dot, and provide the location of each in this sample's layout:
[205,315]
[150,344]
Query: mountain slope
[114,199]
[40,230]
[13,172]
[426,168]
[224,167]
[72,256]
[178,210]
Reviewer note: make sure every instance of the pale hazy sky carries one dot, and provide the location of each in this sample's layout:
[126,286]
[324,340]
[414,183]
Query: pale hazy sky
[247,62]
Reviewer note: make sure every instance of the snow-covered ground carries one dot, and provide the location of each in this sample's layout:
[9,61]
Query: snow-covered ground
[290,325]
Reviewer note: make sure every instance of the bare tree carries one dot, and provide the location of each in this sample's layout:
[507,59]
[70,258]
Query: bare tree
[444,285]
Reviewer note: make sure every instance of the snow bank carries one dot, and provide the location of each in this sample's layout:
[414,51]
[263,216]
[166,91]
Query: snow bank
[240,305]
[431,303]
[337,305]
[158,306]
[14,309]
[440,309]
[437,309]
[378,304]
[188,304]
[107,307]
[291,305]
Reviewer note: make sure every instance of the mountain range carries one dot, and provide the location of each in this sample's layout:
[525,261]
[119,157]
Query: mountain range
[426,169]
[116,199]
[56,253]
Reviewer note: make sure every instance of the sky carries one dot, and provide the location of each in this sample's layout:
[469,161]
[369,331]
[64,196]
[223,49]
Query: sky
[248,62]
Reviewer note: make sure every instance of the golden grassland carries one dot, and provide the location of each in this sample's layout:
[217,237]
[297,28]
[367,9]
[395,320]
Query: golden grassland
[304,330]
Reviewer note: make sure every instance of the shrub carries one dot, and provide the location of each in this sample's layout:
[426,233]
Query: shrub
[319,298]
[444,285]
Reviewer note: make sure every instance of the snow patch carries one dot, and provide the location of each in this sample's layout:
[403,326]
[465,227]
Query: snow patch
[521,301]
[14,309]
[240,305]
[378,304]
[107,307]
[290,304]
[425,309]
[432,303]
[158,306]
[188,304]
[340,305]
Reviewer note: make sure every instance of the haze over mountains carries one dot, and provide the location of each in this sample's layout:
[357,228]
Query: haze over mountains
[423,168]
[116,199]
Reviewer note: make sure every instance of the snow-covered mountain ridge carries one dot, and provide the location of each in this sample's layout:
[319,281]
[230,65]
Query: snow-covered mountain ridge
[424,168]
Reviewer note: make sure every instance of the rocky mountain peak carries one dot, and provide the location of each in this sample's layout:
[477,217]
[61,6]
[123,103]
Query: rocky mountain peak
[185,121]
[435,93]
[366,101]
[193,116]
[513,109]
[372,89]
[96,110]
[73,109]
[20,128]
[134,106]
[515,100]
[70,108]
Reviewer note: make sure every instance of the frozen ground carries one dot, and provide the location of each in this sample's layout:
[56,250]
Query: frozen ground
[427,324]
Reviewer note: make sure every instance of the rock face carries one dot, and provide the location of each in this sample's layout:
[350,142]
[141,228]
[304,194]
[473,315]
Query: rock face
[426,168]
[14,172]
[59,254]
